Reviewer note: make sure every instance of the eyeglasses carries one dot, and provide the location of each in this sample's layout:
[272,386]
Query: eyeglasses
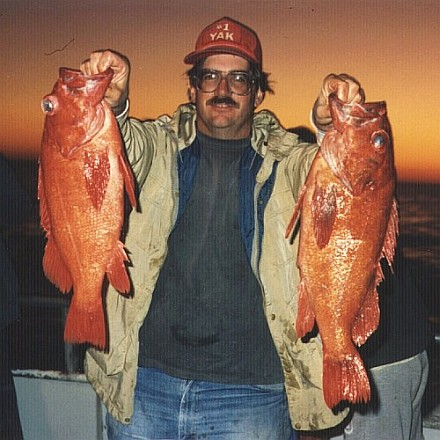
[238,82]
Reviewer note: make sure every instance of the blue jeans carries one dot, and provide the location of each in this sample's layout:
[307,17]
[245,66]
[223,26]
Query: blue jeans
[166,407]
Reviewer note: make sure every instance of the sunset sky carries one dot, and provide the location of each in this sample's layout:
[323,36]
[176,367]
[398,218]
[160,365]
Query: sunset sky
[391,46]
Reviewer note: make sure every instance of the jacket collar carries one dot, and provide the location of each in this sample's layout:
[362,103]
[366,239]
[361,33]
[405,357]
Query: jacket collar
[268,136]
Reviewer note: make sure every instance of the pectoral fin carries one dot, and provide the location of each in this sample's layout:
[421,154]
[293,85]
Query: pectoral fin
[390,241]
[324,213]
[305,320]
[116,270]
[128,180]
[296,211]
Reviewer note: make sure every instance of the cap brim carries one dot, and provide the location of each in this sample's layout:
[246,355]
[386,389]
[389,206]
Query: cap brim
[196,55]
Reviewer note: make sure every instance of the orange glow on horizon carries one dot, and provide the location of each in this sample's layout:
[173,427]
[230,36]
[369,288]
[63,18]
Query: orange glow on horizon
[392,50]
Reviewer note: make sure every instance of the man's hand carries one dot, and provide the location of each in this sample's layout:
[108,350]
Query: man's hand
[347,89]
[117,92]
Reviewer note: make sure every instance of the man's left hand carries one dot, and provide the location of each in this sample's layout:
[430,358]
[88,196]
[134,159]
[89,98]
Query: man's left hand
[348,90]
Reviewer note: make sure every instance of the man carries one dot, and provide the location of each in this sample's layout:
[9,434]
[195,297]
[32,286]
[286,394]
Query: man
[206,347]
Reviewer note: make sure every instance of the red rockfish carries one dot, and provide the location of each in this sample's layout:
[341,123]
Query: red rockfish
[348,222]
[82,175]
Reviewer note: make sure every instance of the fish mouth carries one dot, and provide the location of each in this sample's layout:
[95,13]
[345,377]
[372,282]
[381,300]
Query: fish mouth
[94,86]
[90,91]
[336,149]
[356,113]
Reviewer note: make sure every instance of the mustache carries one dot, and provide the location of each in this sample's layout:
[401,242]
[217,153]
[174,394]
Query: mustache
[217,100]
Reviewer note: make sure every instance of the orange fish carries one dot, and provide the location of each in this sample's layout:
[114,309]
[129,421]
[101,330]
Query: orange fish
[82,175]
[348,223]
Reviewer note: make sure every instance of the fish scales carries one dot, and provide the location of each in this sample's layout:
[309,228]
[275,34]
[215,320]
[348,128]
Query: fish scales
[348,223]
[82,176]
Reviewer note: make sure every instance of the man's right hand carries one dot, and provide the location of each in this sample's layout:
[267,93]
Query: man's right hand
[117,92]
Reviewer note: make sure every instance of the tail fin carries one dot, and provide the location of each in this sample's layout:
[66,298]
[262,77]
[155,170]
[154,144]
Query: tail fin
[345,379]
[85,324]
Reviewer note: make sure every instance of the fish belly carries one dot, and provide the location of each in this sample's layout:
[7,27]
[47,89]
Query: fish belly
[83,236]
[338,285]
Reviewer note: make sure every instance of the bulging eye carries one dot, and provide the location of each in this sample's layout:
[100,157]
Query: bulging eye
[49,105]
[380,140]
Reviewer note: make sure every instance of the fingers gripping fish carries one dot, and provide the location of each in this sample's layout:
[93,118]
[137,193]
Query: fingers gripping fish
[82,175]
[348,223]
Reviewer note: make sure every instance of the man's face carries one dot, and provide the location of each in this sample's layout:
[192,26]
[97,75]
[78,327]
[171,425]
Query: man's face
[221,113]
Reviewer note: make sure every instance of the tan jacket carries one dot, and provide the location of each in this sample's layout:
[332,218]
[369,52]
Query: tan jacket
[153,149]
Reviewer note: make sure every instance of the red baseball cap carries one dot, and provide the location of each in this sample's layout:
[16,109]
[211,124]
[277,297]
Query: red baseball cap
[227,36]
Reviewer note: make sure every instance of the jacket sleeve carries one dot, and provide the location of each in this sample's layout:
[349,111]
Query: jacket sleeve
[140,140]
[300,161]
[285,145]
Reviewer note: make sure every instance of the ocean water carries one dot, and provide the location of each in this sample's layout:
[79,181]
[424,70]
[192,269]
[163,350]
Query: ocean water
[419,209]
[419,212]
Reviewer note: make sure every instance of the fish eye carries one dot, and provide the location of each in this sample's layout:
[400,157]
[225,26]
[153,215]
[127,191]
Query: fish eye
[380,140]
[49,104]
